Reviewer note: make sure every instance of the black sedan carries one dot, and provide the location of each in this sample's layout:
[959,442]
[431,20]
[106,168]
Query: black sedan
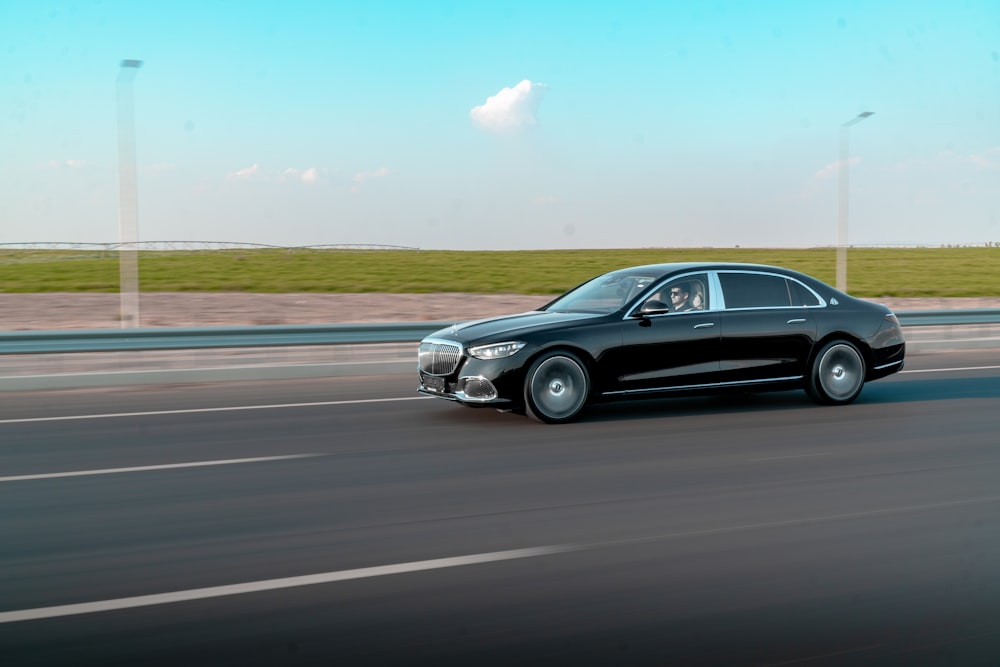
[666,329]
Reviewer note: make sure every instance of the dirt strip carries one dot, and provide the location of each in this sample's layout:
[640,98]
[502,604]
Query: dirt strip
[193,309]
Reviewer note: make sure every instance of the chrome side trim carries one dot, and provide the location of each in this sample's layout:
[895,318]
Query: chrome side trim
[718,385]
[663,374]
[894,363]
[743,310]
[790,378]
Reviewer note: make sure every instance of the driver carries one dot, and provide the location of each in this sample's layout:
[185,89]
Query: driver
[680,297]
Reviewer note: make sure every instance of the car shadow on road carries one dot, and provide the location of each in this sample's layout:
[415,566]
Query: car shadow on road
[883,392]
[891,392]
[931,389]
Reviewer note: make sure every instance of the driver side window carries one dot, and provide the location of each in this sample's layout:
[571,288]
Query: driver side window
[685,294]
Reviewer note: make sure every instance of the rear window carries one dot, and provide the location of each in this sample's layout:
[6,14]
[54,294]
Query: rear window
[755,290]
[802,296]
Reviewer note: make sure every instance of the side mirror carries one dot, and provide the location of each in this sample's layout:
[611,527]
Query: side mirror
[654,306]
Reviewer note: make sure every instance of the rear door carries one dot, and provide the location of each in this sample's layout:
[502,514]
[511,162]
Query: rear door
[767,327]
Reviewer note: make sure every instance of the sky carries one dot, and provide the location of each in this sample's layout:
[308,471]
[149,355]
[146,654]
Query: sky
[503,125]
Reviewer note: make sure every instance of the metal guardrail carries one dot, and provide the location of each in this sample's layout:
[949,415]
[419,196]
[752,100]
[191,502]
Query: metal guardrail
[179,338]
[130,340]
[933,318]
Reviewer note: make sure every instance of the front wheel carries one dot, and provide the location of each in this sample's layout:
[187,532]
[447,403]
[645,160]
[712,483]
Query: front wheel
[838,374]
[556,388]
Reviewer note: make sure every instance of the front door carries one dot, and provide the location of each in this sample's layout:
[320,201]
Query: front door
[665,352]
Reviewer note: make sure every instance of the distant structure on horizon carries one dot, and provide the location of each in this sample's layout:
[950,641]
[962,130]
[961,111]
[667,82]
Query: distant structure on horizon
[240,245]
[195,245]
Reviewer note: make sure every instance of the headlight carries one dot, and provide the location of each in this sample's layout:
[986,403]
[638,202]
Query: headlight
[496,350]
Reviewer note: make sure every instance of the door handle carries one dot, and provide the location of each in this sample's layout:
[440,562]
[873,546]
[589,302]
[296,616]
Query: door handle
[797,320]
[704,325]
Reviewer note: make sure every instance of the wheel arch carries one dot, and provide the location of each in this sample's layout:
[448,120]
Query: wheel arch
[562,346]
[861,345]
[537,406]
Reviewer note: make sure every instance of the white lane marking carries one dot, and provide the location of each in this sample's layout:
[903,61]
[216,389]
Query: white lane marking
[188,411]
[789,456]
[164,466]
[275,584]
[947,370]
[37,613]
[153,413]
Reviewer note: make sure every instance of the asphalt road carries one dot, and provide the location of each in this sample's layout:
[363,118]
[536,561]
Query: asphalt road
[350,521]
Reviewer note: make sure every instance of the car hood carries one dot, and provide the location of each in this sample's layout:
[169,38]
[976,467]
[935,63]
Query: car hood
[508,326]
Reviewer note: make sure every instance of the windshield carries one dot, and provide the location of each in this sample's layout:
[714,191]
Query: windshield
[604,294]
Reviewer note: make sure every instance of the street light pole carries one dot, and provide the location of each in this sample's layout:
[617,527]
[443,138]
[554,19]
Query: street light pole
[128,224]
[844,176]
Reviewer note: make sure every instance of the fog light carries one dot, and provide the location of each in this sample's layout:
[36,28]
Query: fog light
[477,388]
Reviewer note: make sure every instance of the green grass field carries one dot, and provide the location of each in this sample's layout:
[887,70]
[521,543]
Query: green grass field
[872,272]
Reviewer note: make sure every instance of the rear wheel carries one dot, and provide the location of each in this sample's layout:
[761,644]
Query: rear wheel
[556,388]
[838,374]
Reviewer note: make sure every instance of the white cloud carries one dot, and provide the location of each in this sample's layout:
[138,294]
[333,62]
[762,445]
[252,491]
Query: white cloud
[510,110]
[62,164]
[255,172]
[363,176]
[309,176]
[245,174]
[832,169]
[988,159]
[991,160]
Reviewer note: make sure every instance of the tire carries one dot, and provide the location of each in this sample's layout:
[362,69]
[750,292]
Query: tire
[556,388]
[838,374]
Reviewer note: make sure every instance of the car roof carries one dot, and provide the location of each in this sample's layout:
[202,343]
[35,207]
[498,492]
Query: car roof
[676,267]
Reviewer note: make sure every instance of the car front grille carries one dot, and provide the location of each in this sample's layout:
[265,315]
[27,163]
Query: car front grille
[439,358]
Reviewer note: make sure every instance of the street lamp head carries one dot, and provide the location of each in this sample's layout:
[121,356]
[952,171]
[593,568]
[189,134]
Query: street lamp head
[127,70]
[857,119]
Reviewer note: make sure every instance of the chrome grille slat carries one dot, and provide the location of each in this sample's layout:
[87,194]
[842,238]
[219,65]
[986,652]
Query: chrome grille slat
[439,358]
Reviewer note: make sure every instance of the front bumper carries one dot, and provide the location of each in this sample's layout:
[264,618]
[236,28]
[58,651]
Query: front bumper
[467,390]
[455,376]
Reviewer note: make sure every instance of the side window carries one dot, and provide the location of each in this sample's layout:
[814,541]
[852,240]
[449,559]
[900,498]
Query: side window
[681,295]
[754,290]
[800,295]
[699,293]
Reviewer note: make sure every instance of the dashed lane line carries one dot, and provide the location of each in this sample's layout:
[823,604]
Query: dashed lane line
[165,466]
[274,584]
[189,411]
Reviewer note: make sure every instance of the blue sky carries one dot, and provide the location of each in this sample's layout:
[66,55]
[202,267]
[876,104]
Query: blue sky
[504,125]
